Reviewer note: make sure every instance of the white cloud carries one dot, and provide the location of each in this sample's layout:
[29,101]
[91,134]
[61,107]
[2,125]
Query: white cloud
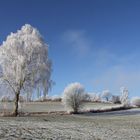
[78,41]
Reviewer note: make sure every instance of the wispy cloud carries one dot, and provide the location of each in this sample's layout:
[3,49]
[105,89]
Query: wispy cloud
[78,41]
[106,68]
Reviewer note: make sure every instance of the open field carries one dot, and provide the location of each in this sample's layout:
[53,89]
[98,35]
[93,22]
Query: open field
[49,106]
[72,127]
[119,125]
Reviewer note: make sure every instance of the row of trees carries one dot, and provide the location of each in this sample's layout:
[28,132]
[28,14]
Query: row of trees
[74,95]
[106,96]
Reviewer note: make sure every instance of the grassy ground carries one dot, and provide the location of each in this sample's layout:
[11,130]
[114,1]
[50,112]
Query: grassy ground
[120,125]
[71,127]
[48,106]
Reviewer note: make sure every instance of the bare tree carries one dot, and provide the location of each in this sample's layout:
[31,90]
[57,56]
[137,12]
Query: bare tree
[73,97]
[24,62]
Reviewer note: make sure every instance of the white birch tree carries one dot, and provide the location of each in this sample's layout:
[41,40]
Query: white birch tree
[24,62]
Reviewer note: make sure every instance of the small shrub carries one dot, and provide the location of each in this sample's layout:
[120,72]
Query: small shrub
[87,98]
[73,97]
[106,95]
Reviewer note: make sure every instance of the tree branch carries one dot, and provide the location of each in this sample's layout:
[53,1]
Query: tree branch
[8,83]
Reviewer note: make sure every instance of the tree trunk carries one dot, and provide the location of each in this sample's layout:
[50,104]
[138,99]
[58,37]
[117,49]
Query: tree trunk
[16,104]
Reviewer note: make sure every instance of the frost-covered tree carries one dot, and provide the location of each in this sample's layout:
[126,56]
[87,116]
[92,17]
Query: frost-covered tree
[106,95]
[24,62]
[73,97]
[87,97]
[124,98]
[96,97]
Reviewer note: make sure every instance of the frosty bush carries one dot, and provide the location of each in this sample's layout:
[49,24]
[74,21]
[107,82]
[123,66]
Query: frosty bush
[124,96]
[106,95]
[135,101]
[96,97]
[87,97]
[73,97]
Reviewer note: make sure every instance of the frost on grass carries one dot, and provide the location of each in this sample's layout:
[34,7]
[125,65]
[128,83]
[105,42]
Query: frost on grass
[71,127]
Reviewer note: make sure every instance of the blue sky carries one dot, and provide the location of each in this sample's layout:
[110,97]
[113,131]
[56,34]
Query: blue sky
[94,42]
